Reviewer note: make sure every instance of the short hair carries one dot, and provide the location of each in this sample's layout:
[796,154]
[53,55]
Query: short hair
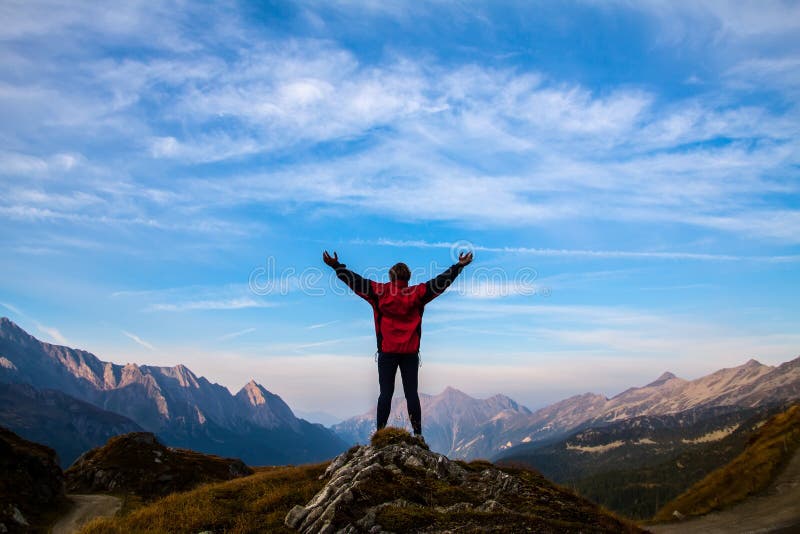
[400,271]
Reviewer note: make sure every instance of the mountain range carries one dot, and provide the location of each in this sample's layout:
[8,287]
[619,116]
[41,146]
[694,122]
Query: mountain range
[463,427]
[172,402]
[450,419]
[256,425]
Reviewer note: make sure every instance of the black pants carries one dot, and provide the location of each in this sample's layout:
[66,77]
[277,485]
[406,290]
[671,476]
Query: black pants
[388,363]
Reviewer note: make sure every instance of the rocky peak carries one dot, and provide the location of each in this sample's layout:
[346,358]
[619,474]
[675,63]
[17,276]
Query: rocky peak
[452,394]
[185,377]
[254,393]
[7,324]
[265,408]
[397,484]
[11,330]
[661,380]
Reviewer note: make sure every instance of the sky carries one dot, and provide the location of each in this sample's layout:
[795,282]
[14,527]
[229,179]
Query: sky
[626,174]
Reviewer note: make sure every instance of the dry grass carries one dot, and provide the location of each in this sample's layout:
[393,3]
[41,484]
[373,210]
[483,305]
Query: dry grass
[256,503]
[767,451]
[395,436]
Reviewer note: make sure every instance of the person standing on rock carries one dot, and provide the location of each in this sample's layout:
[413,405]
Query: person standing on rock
[397,309]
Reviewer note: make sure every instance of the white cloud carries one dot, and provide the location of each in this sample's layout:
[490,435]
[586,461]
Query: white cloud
[505,146]
[54,333]
[305,91]
[139,340]
[492,288]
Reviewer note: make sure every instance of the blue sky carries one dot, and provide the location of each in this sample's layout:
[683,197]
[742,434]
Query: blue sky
[626,172]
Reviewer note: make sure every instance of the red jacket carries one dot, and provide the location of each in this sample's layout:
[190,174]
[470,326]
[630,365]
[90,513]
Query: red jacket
[397,307]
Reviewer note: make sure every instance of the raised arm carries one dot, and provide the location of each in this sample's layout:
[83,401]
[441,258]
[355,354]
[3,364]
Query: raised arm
[360,285]
[436,286]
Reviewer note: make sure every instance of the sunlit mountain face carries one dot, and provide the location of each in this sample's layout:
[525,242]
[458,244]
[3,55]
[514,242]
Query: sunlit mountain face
[72,401]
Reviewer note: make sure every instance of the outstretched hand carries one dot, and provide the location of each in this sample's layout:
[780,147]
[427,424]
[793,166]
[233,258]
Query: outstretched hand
[331,261]
[464,258]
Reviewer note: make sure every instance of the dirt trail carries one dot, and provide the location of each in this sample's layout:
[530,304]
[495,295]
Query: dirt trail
[85,508]
[775,510]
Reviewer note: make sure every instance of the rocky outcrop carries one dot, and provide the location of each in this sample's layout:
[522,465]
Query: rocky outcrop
[398,485]
[31,484]
[139,464]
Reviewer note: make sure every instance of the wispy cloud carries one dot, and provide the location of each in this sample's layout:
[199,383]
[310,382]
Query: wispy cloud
[54,333]
[139,340]
[600,254]
[227,304]
[533,150]
[12,308]
[321,325]
[233,335]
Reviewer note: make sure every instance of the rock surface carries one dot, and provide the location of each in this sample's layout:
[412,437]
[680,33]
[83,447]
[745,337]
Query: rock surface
[137,463]
[398,485]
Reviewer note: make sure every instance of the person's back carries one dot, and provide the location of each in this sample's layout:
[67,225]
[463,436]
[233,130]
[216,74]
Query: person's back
[397,310]
[398,316]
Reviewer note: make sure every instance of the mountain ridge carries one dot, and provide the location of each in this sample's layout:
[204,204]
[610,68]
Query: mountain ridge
[180,407]
[748,385]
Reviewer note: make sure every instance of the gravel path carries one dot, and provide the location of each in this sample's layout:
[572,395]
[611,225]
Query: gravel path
[85,508]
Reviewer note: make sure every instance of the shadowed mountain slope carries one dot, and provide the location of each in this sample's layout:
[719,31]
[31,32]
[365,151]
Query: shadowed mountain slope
[31,485]
[52,418]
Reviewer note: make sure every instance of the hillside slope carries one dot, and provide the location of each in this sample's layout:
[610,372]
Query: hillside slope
[253,504]
[768,451]
[138,464]
[773,510]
